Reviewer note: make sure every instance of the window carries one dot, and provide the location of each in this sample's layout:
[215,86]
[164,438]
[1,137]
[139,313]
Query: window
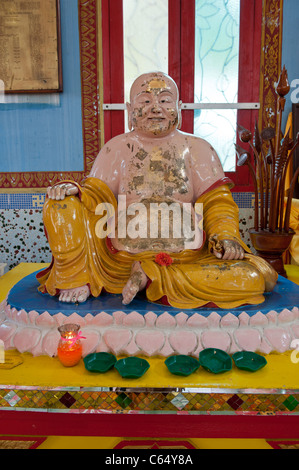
[211,48]
[217,25]
[144,52]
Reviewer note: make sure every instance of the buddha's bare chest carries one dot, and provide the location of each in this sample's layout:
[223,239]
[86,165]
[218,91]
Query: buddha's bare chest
[159,171]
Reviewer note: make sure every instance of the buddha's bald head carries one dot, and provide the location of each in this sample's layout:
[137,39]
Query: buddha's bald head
[153,82]
[154,107]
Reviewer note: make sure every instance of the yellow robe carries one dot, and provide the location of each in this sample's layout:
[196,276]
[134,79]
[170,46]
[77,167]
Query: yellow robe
[294,224]
[195,278]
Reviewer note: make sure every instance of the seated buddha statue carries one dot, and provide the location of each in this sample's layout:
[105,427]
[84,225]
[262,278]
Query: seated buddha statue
[154,163]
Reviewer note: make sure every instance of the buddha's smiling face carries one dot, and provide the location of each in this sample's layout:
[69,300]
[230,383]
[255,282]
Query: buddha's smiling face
[154,108]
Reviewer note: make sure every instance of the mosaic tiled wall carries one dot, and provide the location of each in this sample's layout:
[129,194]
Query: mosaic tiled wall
[22,237]
[144,401]
[36,200]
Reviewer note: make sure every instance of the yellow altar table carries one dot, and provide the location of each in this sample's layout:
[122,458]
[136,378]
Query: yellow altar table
[42,399]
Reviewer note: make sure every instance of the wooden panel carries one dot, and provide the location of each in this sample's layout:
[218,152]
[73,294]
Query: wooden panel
[125,425]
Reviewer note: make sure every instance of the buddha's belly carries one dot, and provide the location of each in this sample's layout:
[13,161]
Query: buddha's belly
[151,225]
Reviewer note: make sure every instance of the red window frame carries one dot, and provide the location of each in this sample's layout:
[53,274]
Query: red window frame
[181,65]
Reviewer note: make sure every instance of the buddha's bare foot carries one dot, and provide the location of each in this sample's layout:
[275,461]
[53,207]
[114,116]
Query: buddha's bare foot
[78,294]
[137,281]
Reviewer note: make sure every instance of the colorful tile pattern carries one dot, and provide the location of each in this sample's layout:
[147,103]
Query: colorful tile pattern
[22,237]
[36,200]
[22,200]
[150,401]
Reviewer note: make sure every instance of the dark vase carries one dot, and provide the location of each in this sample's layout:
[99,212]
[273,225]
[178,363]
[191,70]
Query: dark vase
[271,246]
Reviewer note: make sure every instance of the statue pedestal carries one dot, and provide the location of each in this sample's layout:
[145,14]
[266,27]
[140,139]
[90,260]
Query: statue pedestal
[73,401]
[30,321]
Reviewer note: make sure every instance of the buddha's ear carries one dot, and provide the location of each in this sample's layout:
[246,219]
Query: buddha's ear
[179,114]
[129,110]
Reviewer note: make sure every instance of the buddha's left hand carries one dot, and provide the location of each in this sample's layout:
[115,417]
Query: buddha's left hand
[230,250]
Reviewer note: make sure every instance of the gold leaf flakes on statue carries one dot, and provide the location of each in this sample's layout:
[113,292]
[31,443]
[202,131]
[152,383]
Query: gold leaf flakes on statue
[156,85]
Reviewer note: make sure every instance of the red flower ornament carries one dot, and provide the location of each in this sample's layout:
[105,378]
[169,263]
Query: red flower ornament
[163,259]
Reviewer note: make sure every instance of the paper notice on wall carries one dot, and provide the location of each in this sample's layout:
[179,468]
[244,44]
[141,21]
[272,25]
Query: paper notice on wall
[29,45]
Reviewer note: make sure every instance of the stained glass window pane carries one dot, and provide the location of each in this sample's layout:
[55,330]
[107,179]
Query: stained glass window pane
[216,74]
[145,38]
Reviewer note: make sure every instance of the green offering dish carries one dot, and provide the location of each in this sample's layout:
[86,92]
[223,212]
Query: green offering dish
[182,365]
[215,360]
[132,367]
[99,362]
[249,361]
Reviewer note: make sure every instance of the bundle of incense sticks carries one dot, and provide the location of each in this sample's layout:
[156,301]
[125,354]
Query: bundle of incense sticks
[272,155]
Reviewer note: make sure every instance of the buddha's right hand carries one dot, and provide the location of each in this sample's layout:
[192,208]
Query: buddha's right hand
[60,191]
